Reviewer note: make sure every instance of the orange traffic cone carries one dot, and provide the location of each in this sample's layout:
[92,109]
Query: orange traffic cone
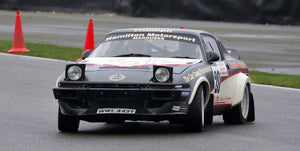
[18,45]
[89,39]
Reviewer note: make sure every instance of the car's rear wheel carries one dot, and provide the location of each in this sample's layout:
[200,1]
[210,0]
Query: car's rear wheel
[67,123]
[240,113]
[251,116]
[195,118]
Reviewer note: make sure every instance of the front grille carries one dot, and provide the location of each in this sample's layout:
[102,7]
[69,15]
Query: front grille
[117,95]
[162,94]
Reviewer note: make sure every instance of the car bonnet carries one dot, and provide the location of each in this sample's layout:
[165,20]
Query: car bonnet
[137,63]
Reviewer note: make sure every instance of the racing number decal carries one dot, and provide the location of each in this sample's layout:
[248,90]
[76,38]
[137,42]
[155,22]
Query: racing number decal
[217,81]
[219,71]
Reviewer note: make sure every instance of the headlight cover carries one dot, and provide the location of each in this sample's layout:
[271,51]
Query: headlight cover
[162,74]
[75,72]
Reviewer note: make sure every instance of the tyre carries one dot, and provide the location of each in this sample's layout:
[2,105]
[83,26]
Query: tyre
[240,113]
[208,113]
[195,118]
[251,117]
[67,123]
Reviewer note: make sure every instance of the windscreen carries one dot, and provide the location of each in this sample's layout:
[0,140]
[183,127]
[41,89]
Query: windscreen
[166,45]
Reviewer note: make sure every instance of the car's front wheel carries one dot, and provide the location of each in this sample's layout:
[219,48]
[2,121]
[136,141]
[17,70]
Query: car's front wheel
[67,123]
[208,112]
[242,112]
[195,119]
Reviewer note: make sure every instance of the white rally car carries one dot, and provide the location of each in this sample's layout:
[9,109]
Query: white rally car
[154,74]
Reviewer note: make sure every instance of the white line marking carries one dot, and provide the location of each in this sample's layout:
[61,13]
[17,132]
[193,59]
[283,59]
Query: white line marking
[33,57]
[276,87]
[258,36]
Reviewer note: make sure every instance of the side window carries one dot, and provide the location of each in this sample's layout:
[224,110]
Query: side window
[221,47]
[211,44]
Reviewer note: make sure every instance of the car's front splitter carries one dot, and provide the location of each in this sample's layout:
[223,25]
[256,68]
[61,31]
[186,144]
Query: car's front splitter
[158,114]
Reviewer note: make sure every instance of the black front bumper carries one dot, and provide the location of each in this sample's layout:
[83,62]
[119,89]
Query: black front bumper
[150,102]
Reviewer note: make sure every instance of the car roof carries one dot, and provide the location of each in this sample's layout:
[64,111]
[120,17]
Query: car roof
[162,30]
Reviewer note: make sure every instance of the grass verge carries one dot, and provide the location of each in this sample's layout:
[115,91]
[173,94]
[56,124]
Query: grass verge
[283,80]
[46,51]
[72,54]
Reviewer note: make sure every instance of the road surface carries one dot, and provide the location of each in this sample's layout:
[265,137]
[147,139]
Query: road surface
[28,119]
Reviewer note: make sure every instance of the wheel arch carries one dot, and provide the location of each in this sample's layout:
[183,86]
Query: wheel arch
[242,81]
[201,81]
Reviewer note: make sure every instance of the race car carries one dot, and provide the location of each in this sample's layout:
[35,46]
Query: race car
[183,76]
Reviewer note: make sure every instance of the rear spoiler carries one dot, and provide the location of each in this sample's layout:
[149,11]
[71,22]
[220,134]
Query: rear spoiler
[234,53]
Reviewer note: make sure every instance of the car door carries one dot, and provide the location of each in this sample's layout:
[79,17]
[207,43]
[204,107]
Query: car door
[221,91]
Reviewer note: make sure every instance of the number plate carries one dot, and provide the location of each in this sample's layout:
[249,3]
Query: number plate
[115,111]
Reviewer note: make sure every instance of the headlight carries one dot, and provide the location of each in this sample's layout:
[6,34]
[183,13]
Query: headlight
[75,72]
[163,74]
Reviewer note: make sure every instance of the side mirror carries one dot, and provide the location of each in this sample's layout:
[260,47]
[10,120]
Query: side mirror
[86,54]
[212,56]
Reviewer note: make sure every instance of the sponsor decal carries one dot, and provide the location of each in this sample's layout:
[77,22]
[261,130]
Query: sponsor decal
[138,62]
[123,36]
[153,30]
[221,99]
[153,36]
[179,108]
[116,111]
[195,74]
[176,108]
[234,65]
[184,93]
[116,77]
[222,69]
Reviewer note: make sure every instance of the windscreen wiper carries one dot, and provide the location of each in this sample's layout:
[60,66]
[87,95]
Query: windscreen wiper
[133,55]
[183,57]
